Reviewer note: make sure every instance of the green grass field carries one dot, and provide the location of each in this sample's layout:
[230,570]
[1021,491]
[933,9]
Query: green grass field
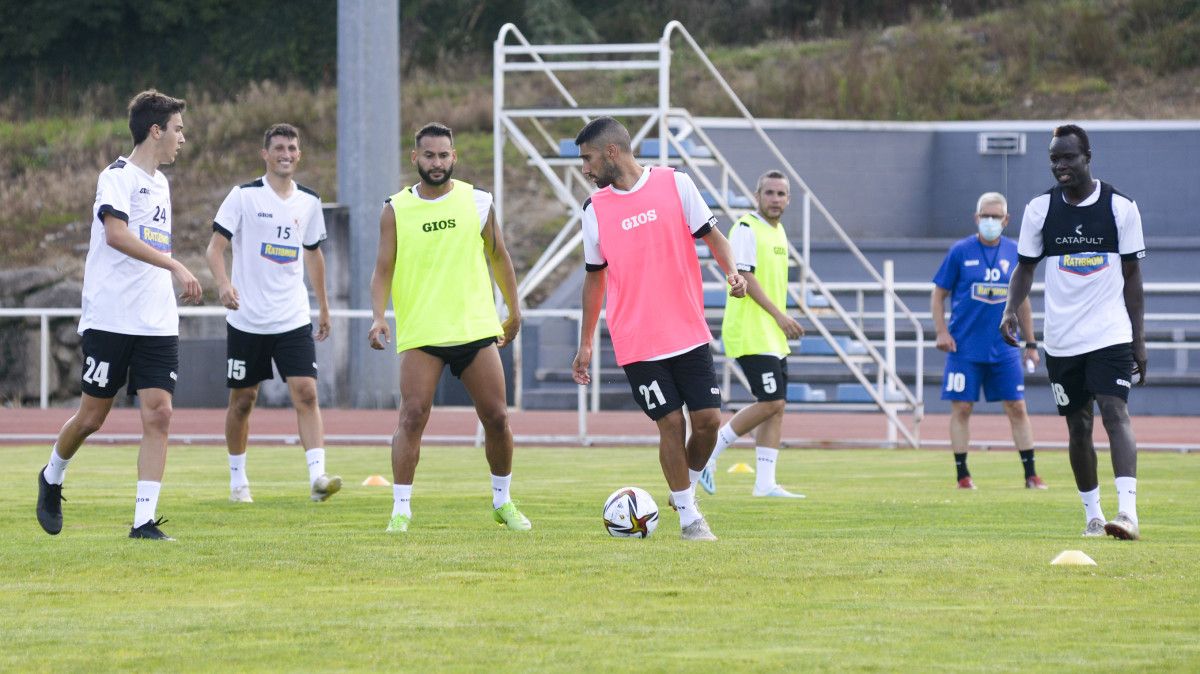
[884,567]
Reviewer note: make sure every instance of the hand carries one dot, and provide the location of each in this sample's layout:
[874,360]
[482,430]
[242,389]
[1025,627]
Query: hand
[1139,361]
[192,292]
[790,327]
[946,343]
[511,326]
[323,325]
[229,297]
[580,365]
[737,284]
[1033,354]
[1009,329]
[379,336]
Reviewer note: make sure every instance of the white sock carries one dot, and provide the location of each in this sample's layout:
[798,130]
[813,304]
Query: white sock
[147,502]
[56,467]
[1091,504]
[402,500]
[316,463]
[764,478]
[725,438]
[693,478]
[685,505]
[1127,496]
[500,490]
[237,471]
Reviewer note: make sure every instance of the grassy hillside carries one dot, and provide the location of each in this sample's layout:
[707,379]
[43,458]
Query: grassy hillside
[1045,60]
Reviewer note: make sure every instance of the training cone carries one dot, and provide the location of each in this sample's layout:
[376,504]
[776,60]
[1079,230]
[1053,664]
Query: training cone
[376,481]
[1073,558]
[740,468]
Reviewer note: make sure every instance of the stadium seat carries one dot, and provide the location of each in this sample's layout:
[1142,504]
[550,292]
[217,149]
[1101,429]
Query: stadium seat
[734,200]
[857,393]
[803,393]
[567,148]
[714,297]
[817,346]
[650,147]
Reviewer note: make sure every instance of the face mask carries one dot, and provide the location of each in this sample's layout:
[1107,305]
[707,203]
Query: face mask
[990,228]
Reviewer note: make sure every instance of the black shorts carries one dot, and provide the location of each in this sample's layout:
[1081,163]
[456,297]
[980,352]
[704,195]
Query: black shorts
[663,386]
[767,375]
[249,355]
[1076,380]
[459,356]
[109,358]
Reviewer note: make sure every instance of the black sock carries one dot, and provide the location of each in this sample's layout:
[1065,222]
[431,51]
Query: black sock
[960,464]
[1027,462]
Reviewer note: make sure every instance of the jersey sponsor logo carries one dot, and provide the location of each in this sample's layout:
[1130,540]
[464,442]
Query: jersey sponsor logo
[639,219]
[264,214]
[1079,238]
[144,190]
[1141,254]
[970,263]
[1084,264]
[438,225]
[280,254]
[780,250]
[989,293]
[157,239]
[1004,266]
[1122,382]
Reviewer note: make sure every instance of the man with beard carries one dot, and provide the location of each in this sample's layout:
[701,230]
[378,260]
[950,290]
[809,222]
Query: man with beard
[1094,335]
[276,228]
[756,330]
[639,233]
[435,241]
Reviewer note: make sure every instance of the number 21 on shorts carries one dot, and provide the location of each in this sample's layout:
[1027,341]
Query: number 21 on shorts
[653,388]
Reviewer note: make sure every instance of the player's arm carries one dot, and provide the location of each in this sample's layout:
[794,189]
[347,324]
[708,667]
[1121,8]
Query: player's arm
[119,238]
[1025,317]
[754,291]
[937,307]
[381,278]
[1135,300]
[1019,285]
[506,277]
[594,283]
[215,255]
[722,252]
[314,263]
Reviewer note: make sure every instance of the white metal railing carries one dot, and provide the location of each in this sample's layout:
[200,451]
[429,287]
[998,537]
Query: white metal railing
[675,128]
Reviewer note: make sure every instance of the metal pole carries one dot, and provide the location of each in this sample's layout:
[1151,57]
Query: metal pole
[368,159]
[44,353]
[889,337]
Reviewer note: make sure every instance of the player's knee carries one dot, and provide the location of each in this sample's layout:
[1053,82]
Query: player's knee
[706,422]
[1080,422]
[776,407]
[961,411]
[413,417]
[1113,410]
[241,402]
[672,423]
[157,415]
[494,419]
[304,396]
[88,423]
[1015,409]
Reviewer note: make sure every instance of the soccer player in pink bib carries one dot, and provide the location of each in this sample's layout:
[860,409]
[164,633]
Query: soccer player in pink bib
[639,232]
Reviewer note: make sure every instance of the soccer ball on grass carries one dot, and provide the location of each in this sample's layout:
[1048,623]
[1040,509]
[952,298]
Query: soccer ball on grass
[630,513]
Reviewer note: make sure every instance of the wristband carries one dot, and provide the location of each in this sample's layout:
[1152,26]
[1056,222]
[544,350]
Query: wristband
[1031,345]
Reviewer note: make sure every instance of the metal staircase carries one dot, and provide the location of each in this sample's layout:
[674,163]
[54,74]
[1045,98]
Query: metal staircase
[680,141]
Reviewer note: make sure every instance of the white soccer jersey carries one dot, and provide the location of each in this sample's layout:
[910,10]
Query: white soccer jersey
[483,202]
[1085,300]
[268,234]
[745,246]
[121,294]
[695,211]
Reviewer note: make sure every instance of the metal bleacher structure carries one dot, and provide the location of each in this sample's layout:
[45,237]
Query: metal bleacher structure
[668,135]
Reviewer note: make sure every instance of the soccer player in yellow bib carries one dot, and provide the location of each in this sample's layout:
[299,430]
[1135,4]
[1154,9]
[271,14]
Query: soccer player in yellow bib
[436,239]
[756,330]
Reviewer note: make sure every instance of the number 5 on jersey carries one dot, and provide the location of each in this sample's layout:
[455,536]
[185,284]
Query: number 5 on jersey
[236,369]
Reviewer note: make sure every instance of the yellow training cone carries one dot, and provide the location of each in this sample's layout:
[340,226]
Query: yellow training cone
[376,481]
[740,468]
[1073,558]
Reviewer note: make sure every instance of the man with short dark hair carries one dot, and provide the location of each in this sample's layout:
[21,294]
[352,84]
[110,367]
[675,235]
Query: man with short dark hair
[130,322]
[756,330]
[436,240]
[1094,337]
[639,232]
[276,227]
[974,276]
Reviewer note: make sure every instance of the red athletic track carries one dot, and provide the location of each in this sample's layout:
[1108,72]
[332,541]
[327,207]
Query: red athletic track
[457,425]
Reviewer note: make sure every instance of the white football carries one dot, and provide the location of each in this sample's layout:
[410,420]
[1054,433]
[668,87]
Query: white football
[630,513]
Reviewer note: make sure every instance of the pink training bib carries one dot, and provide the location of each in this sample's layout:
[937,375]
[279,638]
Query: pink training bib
[655,298]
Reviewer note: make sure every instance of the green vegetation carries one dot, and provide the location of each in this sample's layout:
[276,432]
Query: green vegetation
[884,567]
